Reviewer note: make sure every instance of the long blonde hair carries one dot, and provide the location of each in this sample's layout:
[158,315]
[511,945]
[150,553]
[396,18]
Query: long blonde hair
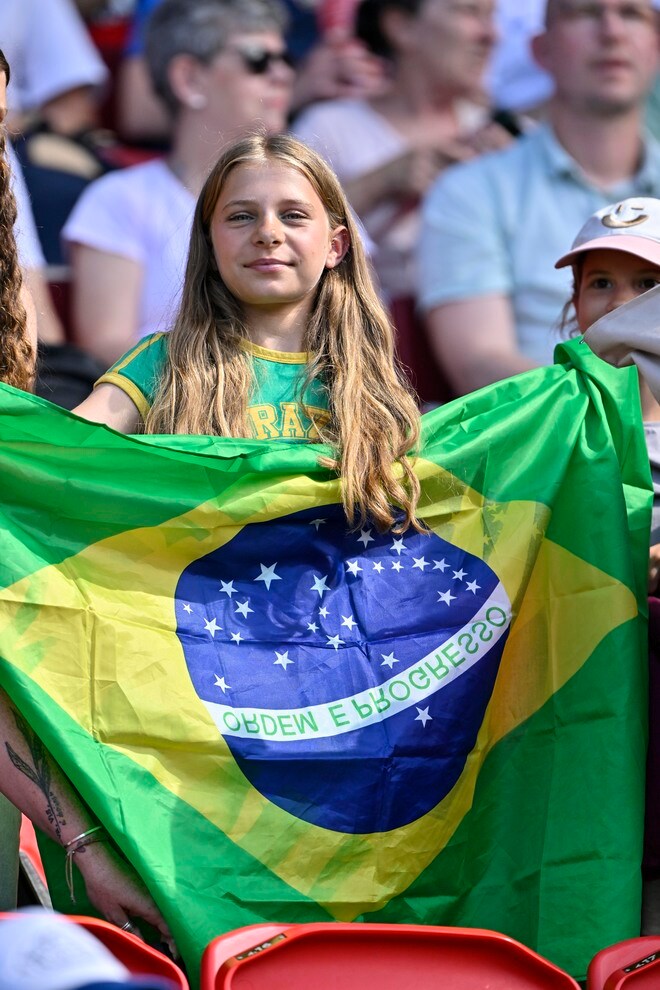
[374,419]
[16,353]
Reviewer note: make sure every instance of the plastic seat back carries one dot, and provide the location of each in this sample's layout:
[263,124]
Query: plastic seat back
[630,965]
[337,956]
[138,957]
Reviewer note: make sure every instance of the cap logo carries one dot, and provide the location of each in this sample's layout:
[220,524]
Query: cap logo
[625,216]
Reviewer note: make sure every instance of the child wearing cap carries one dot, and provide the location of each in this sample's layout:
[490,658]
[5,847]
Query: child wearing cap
[615,259]
[616,296]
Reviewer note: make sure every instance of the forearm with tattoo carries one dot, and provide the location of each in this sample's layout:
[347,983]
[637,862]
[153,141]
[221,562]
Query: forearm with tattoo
[39,772]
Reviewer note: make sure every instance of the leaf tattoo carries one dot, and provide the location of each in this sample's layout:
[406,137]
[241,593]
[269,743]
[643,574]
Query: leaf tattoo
[39,773]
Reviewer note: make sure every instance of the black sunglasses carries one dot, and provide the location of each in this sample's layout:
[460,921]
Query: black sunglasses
[258,60]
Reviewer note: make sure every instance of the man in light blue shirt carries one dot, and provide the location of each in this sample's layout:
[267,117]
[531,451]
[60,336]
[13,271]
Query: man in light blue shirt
[493,227]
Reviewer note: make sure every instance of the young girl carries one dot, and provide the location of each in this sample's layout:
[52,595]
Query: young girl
[616,258]
[279,334]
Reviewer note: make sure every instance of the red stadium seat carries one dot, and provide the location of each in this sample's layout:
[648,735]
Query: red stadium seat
[136,955]
[31,865]
[630,965]
[337,956]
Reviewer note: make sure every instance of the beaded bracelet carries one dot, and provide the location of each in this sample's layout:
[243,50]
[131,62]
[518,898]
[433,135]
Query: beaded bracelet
[75,845]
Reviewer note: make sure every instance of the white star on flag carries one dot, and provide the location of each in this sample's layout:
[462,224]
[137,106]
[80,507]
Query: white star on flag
[282,660]
[324,612]
[312,627]
[365,537]
[353,567]
[459,575]
[378,567]
[244,607]
[446,597]
[423,716]
[334,641]
[268,575]
[211,626]
[187,608]
[236,637]
[227,587]
[320,585]
[473,587]
[440,565]
[398,545]
[397,565]
[347,620]
[389,660]
[316,523]
[221,683]
[421,563]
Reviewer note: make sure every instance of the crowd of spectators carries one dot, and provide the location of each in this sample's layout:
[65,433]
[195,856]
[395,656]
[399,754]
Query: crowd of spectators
[470,136]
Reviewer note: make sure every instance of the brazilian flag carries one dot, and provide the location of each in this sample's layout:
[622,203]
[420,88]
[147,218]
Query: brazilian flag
[280,719]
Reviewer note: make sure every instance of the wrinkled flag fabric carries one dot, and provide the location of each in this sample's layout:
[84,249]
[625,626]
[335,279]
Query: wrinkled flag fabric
[280,719]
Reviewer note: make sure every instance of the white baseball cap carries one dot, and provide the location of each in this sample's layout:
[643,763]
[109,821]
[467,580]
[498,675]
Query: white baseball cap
[632,225]
[43,950]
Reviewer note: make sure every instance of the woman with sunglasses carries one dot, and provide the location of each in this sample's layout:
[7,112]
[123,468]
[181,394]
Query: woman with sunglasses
[222,70]
[388,148]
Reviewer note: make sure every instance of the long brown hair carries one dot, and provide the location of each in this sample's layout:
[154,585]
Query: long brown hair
[374,420]
[16,353]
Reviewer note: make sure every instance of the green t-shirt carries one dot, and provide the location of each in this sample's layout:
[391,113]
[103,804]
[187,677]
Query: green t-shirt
[274,409]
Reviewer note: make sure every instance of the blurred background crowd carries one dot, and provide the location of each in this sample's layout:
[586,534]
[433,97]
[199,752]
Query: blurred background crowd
[472,137]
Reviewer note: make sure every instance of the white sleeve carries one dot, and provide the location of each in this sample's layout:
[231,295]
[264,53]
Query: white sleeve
[55,53]
[30,252]
[110,215]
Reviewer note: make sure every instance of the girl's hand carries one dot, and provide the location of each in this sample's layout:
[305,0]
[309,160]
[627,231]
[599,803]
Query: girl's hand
[654,569]
[117,891]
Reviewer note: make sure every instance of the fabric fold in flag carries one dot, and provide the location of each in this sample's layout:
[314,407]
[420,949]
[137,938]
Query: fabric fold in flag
[280,719]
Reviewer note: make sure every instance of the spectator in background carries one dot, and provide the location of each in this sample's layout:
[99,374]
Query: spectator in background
[222,69]
[31,257]
[57,82]
[56,69]
[515,82]
[492,228]
[330,62]
[388,149]
[65,375]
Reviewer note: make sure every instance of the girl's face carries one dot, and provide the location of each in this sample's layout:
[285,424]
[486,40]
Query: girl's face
[272,240]
[609,279]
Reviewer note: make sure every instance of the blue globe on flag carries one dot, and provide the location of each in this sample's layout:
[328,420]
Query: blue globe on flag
[348,672]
